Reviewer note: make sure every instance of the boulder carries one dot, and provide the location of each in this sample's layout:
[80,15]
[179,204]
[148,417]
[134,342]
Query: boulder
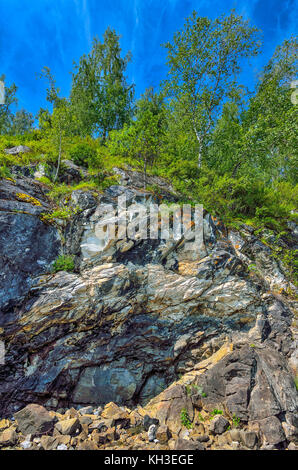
[69,427]
[34,419]
[219,425]
[8,438]
[184,444]
[249,438]
[163,434]
[17,150]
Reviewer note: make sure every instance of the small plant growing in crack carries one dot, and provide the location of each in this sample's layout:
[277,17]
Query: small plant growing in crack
[185,419]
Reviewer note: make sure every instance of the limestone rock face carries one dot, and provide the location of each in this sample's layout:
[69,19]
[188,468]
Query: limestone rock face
[138,314]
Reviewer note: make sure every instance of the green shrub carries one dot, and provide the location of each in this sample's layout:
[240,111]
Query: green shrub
[63,263]
[185,420]
[63,214]
[236,421]
[216,412]
[84,154]
[4,172]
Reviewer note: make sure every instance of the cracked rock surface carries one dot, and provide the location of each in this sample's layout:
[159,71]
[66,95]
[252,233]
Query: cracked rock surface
[138,314]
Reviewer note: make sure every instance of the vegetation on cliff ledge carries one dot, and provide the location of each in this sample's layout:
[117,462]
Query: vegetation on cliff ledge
[233,150]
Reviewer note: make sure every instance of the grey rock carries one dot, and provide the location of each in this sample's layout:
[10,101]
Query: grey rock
[83,199]
[34,419]
[292,446]
[68,427]
[235,435]
[272,431]
[152,432]
[27,245]
[136,313]
[17,150]
[62,447]
[249,438]
[8,437]
[147,422]
[219,425]
[185,444]
[85,410]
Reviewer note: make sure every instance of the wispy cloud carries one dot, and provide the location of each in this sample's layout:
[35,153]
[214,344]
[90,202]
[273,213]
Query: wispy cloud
[56,32]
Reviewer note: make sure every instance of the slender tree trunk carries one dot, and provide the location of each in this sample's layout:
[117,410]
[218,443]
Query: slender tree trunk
[145,173]
[59,156]
[199,139]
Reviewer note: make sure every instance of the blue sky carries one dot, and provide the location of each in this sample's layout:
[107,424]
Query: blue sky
[54,33]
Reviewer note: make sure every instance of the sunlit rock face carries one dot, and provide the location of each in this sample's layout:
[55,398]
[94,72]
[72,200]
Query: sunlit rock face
[137,313]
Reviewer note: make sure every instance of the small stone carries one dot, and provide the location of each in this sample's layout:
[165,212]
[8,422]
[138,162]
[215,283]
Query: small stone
[203,438]
[87,445]
[163,434]
[26,445]
[69,426]
[219,425]
[85,420]
[63,439]
[100,425]
[86,410]
[249,438]
[62,447]
[48,443]
[8,438]
[224,439]
[149,421]
[185,444]
[72,413]
[235,445]
[235,435]
[4,423]
[98,411]
[152,432]
[119,415]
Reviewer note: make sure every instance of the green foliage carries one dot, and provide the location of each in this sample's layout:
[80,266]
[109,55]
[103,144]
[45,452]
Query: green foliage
[215,412]
[22,123]
[4,172]
[232,152]
[236,421]
[100,95]
[59,191]
[6,109]
[84,154]
[63,263]
[45,180]
[64,213]
[185,420]
[199,84]
[141,141]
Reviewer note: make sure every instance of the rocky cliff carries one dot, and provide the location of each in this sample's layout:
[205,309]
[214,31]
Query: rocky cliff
[145,323]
